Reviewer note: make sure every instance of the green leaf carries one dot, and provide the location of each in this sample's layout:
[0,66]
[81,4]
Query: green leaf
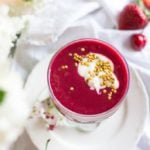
[139,2]
[2,96]
[144,9]
[147,13]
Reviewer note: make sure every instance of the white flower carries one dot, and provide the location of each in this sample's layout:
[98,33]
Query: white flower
[13,107]
[9,28]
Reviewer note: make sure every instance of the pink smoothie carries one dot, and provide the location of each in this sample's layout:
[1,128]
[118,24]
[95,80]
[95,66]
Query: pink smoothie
[81,99]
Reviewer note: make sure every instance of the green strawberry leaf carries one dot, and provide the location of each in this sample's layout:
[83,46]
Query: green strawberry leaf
[2,96]
[142,6]
[147,13]
[140,3]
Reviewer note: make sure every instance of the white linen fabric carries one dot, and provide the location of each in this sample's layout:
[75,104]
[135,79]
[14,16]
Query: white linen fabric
[59,22]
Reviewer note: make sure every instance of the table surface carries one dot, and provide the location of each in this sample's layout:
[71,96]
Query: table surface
[25,142]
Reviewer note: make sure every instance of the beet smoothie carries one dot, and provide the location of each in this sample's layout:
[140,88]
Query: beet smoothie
[88,77]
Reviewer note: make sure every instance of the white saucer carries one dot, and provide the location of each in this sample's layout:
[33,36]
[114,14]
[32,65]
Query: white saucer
[120,132]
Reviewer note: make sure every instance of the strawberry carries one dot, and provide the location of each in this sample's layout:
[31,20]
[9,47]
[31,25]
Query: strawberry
[147,3]
[132,17]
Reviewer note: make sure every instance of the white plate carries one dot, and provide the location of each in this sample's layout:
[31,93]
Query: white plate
[120,132]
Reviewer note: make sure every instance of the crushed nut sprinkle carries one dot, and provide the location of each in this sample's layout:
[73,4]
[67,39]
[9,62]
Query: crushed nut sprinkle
[70,54]
[104,91]
[82,49]
[77,57]
[103,69]
[109,97]
[76,64]
[64,67]
[114,90]
[71,88]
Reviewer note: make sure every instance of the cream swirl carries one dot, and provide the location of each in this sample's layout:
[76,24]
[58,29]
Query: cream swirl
[98,71]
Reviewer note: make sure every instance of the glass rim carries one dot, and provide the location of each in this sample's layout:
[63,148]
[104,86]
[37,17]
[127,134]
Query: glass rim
[57,102]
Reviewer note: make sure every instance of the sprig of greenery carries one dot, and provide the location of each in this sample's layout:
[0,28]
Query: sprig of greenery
[46,145]
[2,96]
[13,49]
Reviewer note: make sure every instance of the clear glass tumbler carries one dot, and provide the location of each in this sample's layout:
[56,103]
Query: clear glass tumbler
[87,122]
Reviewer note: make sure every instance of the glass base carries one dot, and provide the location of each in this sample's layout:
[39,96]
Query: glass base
[87,127]
[83,127]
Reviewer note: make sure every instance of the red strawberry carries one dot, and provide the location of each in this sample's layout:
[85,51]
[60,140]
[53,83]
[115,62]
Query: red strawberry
[147,3]
[132,17]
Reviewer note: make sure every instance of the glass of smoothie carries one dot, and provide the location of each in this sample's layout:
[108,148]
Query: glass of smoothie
[88,80]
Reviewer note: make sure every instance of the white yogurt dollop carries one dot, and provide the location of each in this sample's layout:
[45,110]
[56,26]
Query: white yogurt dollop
[94,81]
